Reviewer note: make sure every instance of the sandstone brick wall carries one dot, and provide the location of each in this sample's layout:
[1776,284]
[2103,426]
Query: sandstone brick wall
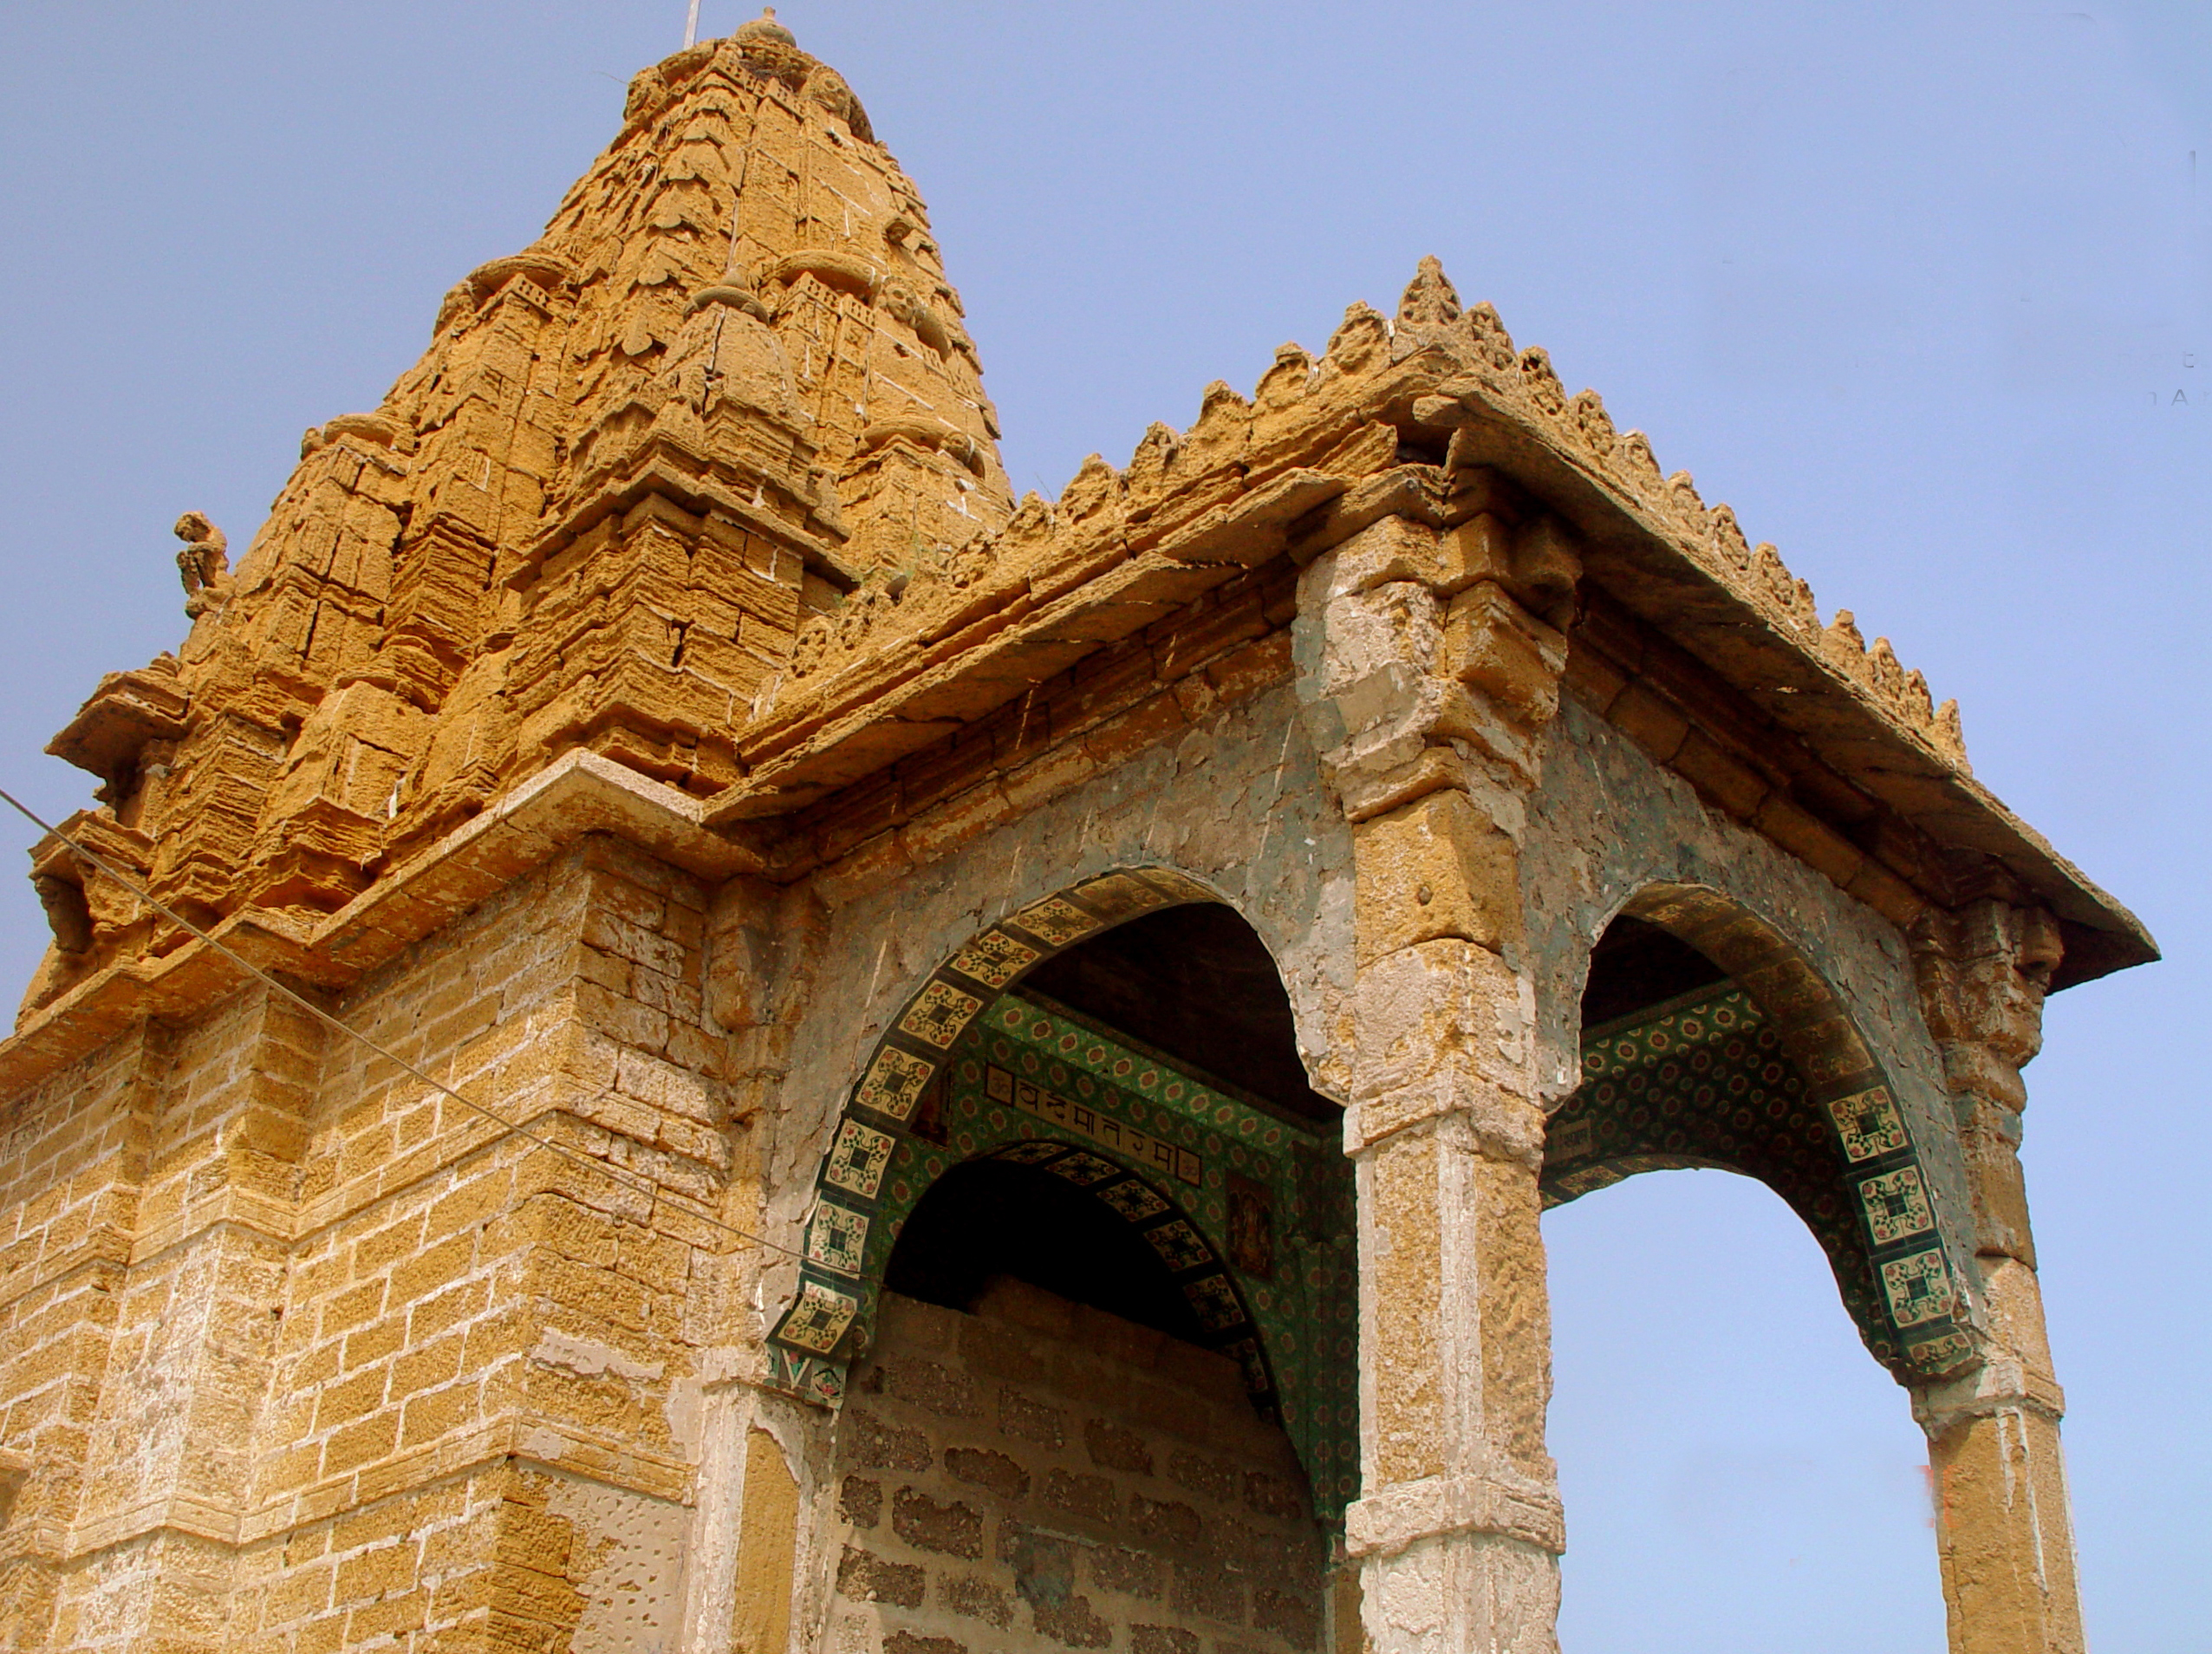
[297,1354]
[1043,1476]
[459,1297]
[73,1149]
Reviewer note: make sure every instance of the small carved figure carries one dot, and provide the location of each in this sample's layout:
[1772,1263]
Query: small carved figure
[66,912]
[204,564]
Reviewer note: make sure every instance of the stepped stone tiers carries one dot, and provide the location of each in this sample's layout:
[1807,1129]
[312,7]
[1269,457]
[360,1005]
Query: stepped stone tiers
[1025,1042]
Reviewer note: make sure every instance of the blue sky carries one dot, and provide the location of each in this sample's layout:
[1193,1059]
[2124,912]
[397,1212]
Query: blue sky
[1921,291]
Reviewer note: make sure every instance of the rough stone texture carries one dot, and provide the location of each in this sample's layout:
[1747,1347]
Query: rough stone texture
[338,1304]
[1606,822]
[729,380]
[1138,1560]
[625,720]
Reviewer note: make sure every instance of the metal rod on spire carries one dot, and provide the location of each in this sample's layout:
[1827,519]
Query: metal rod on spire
[691,27]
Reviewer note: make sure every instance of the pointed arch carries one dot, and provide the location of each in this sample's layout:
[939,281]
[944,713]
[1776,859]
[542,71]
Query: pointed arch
[1249,1209]
[1764,1071]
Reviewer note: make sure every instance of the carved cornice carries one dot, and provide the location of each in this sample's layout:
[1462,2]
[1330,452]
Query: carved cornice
[1327,445]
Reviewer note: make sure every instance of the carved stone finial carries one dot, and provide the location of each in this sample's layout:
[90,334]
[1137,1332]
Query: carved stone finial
[1951,734]
[1429,299]
[1363,336]
[1682,494]
[1591,423]
[1728,535]
[765,27]
[1889,672]
[204,564]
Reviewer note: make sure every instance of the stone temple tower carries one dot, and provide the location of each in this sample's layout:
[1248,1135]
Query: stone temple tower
[681,1026]
[726,389]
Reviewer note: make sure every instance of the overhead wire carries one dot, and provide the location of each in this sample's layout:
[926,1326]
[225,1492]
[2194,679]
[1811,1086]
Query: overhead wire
[615,1173]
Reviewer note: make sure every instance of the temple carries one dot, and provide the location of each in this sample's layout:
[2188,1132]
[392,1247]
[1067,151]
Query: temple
[845,1062]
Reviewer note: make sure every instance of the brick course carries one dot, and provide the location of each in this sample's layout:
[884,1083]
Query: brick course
[333,1305]
[1062,1507]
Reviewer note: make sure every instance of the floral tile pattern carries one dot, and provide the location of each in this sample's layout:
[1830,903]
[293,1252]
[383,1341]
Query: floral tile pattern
[1250,1213]
[820,1318]
[1897,1206]
[895,1083]
[939,1013]
[1919,1286]
[837,1239]
[1868,1123]
[994,958]
[1056,921]
[1704,1081]
[857,1158]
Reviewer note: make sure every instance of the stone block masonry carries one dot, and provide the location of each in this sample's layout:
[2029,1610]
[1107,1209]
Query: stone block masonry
[1043,1476]
[303,1355]
[624,720]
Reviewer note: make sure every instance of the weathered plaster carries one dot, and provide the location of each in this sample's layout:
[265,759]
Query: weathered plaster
[1606,822]
[1236,803]
[635,1549]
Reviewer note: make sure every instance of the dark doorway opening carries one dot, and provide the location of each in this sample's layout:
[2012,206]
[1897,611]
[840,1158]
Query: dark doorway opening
[990,1218]
[1198,984]
[1636,965]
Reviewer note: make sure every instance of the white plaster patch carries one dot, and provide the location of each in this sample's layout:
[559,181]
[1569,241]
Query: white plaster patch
[589,1360]
[635,1545]
[682,1412]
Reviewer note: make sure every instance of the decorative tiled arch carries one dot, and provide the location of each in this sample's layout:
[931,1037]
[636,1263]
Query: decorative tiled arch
[1249,1212]
[1767,1074]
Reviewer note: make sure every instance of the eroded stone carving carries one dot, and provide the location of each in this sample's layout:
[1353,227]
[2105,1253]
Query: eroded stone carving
[204,564]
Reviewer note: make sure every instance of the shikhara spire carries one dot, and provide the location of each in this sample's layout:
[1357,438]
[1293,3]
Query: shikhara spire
[737,329]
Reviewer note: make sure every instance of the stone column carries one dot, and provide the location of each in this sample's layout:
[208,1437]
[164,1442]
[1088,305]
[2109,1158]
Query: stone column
[2001,1519]
[1428,679]
[171,1452]
[745,1580]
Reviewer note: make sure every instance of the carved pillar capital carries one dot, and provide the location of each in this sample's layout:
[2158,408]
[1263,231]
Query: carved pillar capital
[1983,970]
[1431,658]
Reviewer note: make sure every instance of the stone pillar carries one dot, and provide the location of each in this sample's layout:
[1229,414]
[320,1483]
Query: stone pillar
[743,1577]
[2001,1519]
[1428,680]
[171,1452]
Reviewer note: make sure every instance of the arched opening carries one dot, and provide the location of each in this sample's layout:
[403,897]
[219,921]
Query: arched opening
[1087,1247]
[1738,1478]
[1197,983]
[1709,1041]
[1731,1469]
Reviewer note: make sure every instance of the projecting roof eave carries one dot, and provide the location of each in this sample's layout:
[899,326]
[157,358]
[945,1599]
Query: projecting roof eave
[1319,443]
[1643,560]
